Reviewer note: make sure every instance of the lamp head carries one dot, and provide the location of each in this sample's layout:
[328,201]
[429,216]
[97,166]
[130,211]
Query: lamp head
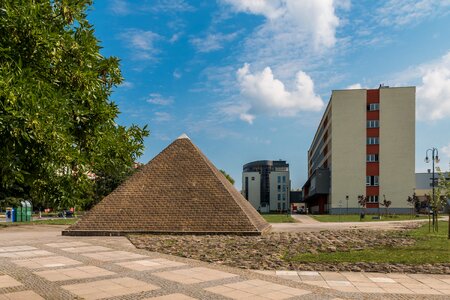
[427,160]
[437,159]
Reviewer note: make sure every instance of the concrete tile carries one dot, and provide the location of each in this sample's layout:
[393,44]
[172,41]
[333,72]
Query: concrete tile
[286,273]
[7,281]
[68,244]
[333,283]
[74,273]
[308,273]
[426,292]
[28,295]
[109,288]
[23,254]
[382,279]
[46,262]
[16,248]
[150,264]
[176,296]
[322,283]
[194,275]
[371,290]
[86,249]
[113,255]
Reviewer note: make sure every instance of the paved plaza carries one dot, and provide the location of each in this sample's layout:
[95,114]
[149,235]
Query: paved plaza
[38,263]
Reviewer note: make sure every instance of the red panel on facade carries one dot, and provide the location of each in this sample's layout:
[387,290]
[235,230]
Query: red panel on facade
[372,190]
[372,132]
[373,96]
[373,115]
[372,205]
[373,149]
[372,169]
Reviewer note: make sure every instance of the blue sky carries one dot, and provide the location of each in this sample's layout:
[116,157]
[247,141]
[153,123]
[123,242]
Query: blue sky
[249,79]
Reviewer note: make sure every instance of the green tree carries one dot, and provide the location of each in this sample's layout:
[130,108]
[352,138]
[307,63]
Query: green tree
[57,122]
[227,176]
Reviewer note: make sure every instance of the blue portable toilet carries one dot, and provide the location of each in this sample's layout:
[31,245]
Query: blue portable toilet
[13,215]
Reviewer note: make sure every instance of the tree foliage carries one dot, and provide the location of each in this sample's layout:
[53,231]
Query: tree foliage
[227,176]
[57,123]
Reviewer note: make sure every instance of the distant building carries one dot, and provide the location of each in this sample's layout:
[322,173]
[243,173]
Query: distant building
[364,145]
[296,201]
[266,185]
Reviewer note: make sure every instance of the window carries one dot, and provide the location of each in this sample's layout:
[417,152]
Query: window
[373,140]
[253,178]
[372,180]
[284,179]
[279,188]
[279,206]
[284,188]
[279,197]
[279,179]
[372,199]
[373,106]
[284,197]
[373,123]
[372,157]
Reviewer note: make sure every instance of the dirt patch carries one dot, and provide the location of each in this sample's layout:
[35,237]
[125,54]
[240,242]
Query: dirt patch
[272,251]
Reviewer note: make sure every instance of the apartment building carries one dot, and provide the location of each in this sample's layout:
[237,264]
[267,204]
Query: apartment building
[266,185]
[364,145]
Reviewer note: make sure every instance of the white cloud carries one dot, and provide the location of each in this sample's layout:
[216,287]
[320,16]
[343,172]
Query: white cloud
[433,94]
[213,42]
[302,20]
[355,86]
[405,12]
[141,43]
[446,150]
[119,7]
[264,94]
[127,85]
[162,117]
[158,99]
[176,74]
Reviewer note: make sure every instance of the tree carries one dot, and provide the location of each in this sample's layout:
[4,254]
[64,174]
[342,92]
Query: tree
[57,122]
[414,202]
[362,201]
[444,192]
[227,176]
[386,204]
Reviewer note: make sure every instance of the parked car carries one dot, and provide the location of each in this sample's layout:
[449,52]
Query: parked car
[65,214]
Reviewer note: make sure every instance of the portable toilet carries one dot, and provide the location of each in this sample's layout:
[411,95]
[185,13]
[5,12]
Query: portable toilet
[19,212]
[29,210]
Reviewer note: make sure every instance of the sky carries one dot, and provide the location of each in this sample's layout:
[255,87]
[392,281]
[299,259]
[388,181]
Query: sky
[249,80]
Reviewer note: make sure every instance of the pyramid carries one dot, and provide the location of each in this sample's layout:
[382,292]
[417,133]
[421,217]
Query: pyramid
[180,192]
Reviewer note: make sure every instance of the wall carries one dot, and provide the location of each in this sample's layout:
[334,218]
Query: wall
[254,188]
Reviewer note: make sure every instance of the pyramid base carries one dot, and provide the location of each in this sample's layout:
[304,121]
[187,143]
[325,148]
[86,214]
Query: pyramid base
[123,233]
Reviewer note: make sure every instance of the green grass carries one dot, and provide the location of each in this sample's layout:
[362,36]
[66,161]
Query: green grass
[61,221]
[278,218]
[429,248]
[368,218]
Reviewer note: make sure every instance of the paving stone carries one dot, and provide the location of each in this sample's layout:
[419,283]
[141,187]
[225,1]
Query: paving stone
[113,255]
[109,288]
[24,295]
[176,296]
[16,248]
[7,281]
[21,254]
[67,244]
[150,264]
[86,249]
[74,273]
[46,262]
[194,275]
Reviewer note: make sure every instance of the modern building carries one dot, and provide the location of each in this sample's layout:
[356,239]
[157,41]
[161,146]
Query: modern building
[266,185]
[364,145]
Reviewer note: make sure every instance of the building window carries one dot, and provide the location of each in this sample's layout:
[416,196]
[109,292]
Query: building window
[372,180]
[284,188]
[279,197]
[284,179]
[279,188]
[284,197]
[373,106]
[373,123]
[373,140]
[279,206]
[253,178]
[284,206]
[372,199]
[279,179]
[372,157]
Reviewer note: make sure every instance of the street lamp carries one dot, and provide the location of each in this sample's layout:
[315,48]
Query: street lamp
[346,198]
[434,158]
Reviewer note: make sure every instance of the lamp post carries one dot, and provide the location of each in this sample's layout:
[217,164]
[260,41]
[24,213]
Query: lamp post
[434,158]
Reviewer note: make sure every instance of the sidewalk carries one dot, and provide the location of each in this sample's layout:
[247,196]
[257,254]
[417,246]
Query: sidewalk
[36,262]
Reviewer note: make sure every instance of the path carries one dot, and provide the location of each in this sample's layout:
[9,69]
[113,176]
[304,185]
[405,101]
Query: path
[308,224]
[36,262]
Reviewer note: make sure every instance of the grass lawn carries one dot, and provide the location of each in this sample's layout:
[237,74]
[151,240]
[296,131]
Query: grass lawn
[368,218]
[61,221]
[429,248]
[278,218]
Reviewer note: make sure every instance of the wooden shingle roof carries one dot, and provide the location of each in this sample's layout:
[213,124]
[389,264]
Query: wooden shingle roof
[178,191]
